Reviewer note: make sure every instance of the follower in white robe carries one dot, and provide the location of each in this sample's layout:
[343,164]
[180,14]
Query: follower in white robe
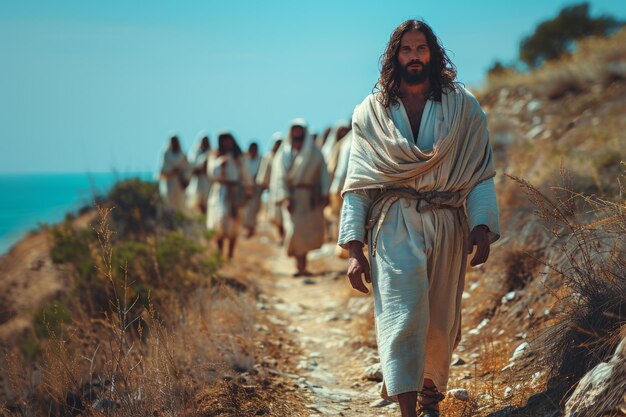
[301,177]
[173,175]
[229,178]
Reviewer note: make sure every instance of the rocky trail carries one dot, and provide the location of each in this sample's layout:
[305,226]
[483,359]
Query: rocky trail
[319,314]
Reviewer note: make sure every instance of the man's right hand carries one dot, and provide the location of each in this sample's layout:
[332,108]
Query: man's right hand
[358,266]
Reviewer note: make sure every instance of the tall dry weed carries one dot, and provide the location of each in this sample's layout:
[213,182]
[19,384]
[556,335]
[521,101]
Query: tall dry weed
[589,259]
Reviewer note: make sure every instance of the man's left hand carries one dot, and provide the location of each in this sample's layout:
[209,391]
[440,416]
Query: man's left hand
[479,237]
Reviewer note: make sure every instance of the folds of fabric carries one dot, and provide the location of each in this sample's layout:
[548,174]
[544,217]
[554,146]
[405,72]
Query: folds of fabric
[301,177]
[418,271]
[382,156]
[228,176]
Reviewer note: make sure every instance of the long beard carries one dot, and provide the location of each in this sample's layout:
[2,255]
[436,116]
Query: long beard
[413,78]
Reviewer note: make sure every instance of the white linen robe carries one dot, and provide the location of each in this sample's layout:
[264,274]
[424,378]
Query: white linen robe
[171,185]
[199,185]
[223,214]
[304,226]
[418,272]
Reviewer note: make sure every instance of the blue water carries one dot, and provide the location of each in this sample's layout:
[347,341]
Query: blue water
[26,200]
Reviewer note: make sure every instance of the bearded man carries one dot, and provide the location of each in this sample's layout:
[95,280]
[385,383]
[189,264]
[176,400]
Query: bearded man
[300,182]
[420,182]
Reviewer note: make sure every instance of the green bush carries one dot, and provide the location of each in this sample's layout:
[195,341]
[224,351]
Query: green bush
[136,205]
[71,246]
[48,320]
[554,37]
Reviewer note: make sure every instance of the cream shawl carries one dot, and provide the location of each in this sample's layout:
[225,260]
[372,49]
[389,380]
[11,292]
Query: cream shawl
[381,157]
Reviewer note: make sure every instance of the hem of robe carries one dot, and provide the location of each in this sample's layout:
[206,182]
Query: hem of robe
[412,388]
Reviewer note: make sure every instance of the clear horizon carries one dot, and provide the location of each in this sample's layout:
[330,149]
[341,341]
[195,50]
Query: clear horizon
[98,87]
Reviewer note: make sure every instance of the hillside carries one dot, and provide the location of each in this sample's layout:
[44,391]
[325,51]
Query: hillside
[126,310]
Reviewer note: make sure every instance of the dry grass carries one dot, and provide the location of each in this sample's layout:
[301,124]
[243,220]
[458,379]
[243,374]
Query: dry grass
[596,61]
[193,354]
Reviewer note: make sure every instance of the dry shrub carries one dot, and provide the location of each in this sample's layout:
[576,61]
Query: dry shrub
[590,261]
[521,264]
[140,358]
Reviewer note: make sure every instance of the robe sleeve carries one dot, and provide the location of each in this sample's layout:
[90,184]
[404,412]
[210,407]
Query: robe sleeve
[482,208]
[353,217]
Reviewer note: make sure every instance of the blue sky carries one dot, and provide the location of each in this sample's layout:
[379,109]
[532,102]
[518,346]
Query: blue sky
[93,86]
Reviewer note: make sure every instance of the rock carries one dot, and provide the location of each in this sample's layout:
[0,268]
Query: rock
[601,390]
[460,394]
[308,281]
[533,105]
[510,296]
[535,132]
[307,365]
[507,392]
[520,351]
[380,403]
[458,362]
[480,326]
[261,328]
[373,373]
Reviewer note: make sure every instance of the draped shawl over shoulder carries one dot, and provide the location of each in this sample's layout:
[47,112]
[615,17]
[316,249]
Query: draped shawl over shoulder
[381,157]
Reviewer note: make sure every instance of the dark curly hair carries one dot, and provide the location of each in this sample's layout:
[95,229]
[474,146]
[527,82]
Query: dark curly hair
[443,71]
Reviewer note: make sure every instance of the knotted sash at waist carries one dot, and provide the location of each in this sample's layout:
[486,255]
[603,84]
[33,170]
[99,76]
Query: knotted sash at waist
[380,207]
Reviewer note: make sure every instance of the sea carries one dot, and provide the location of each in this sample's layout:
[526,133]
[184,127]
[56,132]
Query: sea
[29,200]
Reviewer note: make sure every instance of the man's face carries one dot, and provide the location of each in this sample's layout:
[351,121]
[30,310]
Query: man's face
[204,145]
[228,144]
[342,131]
[253,150]
[297,137]
[413,58]
[174,144]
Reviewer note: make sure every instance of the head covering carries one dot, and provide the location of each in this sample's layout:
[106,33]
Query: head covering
[332,138]
[295,165]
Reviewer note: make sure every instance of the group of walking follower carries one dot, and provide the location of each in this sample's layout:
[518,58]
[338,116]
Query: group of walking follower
[302,174]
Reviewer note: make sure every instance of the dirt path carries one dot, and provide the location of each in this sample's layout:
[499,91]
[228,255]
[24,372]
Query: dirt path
[320,315]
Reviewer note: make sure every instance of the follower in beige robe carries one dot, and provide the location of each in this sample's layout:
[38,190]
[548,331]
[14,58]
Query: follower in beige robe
[303,178]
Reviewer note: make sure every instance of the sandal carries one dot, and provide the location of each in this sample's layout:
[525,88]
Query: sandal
[429,409]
